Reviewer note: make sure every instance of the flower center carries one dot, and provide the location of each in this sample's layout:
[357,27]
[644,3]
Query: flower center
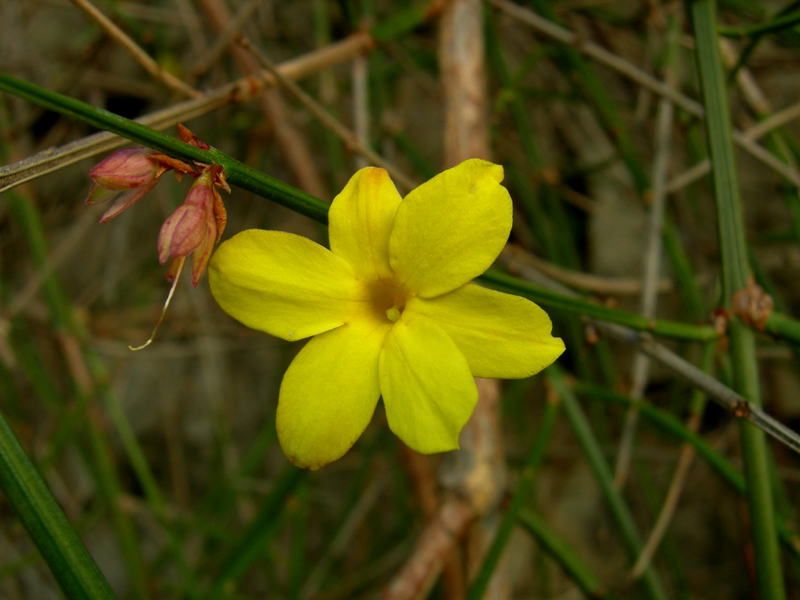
[387,301]
[397,308]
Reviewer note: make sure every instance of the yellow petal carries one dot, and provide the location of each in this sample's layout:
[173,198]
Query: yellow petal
[500,335]
[281,283]
[329,393]
[426,384]
[450,229]
[361,219]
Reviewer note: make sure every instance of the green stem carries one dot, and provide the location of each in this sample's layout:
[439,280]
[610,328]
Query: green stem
[584,75]
[260,530]
[27,493]
[570,304]
[62,314]
[735,273]
[574,566]
[527,477]
[237,173]
[602,472]
[768,26]
[783,326]
[29,220]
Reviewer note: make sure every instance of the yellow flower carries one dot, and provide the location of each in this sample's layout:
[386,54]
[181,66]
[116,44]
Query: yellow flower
[391,309]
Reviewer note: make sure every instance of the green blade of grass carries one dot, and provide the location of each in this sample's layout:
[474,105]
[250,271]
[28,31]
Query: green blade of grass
[262,528]
[27,493]
[492,558]
[564,555]
[735,274]
[602,472]
[673,426]
[770,26]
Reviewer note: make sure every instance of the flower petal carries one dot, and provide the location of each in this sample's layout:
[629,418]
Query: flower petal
[125,201]
[427,388]
[126,169]
[361,219]
[500,335]
[98,194]
[281,283]
[202,254]
[450,229]
[329,394]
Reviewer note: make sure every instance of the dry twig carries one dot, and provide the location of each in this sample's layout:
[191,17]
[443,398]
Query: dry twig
[135,51]
[347,136]
[294,148]
[643,78]
[652,266]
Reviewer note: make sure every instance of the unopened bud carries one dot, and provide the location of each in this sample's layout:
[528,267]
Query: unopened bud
[132,171]
[193,227]
[182,232]
[126,170]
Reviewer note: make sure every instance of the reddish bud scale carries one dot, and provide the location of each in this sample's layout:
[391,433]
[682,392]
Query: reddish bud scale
[126,170]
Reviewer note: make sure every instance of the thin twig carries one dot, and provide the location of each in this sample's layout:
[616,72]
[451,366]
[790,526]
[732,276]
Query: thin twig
[295,149]
[361,105]
[315,108]
[670,504]
[343,539]
[225,37]
[191,21]
[643,78]
[652,256]
[478,471]
[777,119]
[688,177]
[594,284]
[139,55]
[433,547]
[62,251]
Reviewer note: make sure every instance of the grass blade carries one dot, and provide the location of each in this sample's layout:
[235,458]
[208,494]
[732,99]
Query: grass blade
[735,274]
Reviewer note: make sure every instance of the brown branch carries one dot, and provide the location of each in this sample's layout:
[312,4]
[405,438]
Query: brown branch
[293,146]
[350,138]
[433,547]
[139,55]
[643,78]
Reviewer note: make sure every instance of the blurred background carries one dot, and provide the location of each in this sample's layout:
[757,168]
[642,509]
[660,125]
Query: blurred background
[166,460]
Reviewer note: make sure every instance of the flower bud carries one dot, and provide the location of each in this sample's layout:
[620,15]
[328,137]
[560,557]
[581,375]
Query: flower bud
[132,171]
[195,226]
[185,229]
[126,169]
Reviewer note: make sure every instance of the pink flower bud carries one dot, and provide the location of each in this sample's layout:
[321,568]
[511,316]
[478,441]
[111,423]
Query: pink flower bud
[182,232]
[193,227]
[133,171]
[126,170]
